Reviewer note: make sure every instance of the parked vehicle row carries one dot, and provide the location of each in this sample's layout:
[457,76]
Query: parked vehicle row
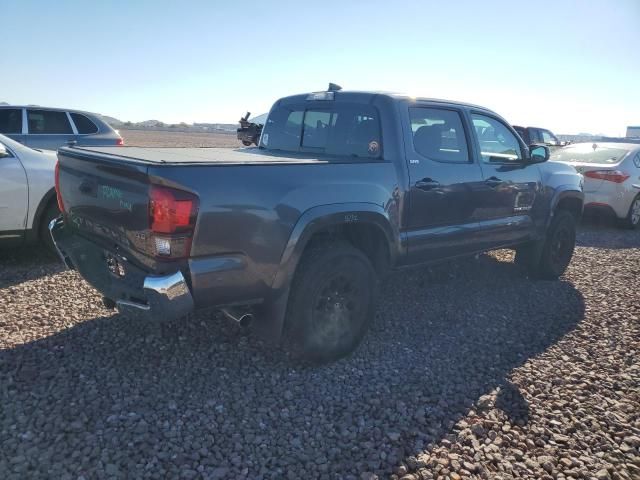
[343,187]
[50,128]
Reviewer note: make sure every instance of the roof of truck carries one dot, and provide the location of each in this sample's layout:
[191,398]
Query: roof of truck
[394,95]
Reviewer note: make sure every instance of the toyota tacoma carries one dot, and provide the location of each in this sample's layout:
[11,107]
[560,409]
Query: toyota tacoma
[294,233]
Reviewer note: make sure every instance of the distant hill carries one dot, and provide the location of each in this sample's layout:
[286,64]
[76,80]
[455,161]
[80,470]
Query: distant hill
[114,122]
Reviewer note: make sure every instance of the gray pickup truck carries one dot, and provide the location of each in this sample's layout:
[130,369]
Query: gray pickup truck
[294,234]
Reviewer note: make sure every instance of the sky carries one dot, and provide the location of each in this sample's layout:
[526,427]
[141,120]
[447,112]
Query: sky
[568,65]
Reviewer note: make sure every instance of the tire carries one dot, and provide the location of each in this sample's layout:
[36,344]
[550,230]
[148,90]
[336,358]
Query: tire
[44,235]
[246,143]
[549,259]
[632,220]
[331,302]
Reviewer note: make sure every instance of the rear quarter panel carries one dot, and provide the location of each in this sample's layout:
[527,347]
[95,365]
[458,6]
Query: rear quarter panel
[248,212]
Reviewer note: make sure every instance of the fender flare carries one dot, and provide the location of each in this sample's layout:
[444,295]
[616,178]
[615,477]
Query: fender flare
[34,232]
[273,310]
[323,216]
[562,192]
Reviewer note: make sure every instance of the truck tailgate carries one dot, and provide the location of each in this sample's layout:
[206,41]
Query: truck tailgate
[105,199]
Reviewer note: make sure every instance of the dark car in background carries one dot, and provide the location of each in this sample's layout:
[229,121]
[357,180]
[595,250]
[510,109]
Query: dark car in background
[532,135]
[51,128]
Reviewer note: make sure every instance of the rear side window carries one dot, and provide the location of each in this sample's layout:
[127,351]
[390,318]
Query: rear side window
[48,122]
[83,124]
[341,130]
[438,134]
[10,120]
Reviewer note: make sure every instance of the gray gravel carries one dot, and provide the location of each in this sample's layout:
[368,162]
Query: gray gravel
[469,371]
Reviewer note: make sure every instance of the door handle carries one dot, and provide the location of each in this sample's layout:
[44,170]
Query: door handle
[427,184]
[493,181]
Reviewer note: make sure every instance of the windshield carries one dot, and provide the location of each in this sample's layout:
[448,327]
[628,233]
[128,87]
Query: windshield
[590,153]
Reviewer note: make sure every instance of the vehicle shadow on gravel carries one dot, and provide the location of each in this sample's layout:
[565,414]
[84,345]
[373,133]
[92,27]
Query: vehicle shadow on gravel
[205,397]
[21,264]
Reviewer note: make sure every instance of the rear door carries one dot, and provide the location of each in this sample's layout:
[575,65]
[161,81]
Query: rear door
[511,185]
[444,182]
[11,123]
[48,129]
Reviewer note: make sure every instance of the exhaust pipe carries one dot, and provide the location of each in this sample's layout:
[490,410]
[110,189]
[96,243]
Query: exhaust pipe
[242,317]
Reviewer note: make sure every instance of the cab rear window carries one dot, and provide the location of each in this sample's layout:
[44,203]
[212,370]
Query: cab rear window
[340,130]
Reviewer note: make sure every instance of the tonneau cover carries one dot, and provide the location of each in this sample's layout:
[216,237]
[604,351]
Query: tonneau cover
[181,155]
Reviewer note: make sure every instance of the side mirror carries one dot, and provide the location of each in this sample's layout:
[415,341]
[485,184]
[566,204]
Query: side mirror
[538,153]
[4,152]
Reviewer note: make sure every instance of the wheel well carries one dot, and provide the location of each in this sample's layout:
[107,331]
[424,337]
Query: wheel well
[48,201]
[366,237]
[572,205]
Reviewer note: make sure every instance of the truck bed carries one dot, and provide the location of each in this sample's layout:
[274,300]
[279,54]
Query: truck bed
[198,156]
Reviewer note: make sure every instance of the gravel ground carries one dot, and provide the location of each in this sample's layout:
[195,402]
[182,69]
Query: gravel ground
[470,371]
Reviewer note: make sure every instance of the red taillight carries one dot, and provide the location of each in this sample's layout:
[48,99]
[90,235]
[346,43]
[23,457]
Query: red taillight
[57,183]
[615,176]
[172,210]
[172,216]
[120,142]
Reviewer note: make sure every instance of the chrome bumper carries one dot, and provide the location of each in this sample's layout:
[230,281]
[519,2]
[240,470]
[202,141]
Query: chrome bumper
[168,298]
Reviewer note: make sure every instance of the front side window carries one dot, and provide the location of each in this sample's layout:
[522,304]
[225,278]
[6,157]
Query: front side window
[340,130]
[548,137]
[497,143]
[48,122]
[438,134]
[10,120]
[83,124]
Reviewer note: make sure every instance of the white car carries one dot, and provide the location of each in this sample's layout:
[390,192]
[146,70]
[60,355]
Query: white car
[611,177]
[27,193]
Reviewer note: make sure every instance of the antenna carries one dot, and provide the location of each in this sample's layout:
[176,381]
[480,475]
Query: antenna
[334,87]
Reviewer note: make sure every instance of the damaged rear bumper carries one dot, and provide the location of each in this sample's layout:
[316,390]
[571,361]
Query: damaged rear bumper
[161,297]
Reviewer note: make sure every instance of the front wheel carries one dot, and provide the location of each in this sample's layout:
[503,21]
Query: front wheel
[331,302]
[549,258]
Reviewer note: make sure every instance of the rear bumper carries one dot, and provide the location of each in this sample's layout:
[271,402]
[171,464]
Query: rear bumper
[163,297]
[615,202]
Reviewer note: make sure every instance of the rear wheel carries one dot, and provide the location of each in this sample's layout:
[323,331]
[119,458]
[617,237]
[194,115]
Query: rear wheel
[331,302]
[45,236]
[632,219]
[549,258]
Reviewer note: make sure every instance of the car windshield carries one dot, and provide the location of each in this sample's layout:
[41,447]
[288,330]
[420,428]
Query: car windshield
[590,153]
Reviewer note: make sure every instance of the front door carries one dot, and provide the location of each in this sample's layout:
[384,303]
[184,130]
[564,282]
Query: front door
[48,129]
[511,184]
[444,180]
[13,197]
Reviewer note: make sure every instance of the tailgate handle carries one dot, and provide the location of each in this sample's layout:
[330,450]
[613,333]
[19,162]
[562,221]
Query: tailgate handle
[88,187]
